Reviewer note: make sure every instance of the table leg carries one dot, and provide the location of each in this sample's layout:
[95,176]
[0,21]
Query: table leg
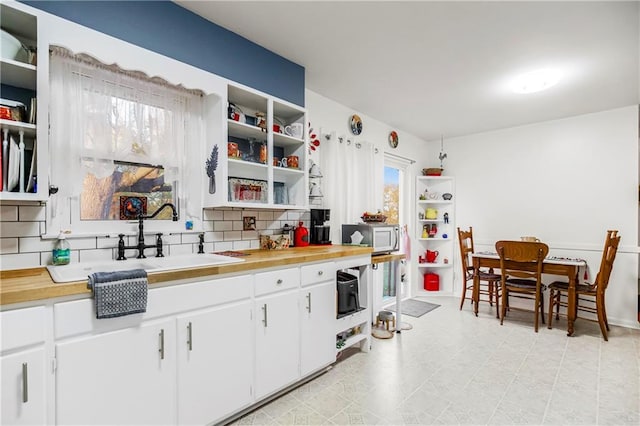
[476,285]
[571,305]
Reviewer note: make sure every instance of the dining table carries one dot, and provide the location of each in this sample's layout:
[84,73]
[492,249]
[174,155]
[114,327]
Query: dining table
[551,265]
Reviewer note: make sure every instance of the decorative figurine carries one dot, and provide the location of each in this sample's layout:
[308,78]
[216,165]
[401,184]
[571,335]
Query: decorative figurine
[446,218]
[425,231]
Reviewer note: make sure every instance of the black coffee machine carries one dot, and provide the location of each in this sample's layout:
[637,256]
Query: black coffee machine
[320,229]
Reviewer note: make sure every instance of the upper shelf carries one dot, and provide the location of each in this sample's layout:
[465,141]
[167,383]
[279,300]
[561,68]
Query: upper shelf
[18,74]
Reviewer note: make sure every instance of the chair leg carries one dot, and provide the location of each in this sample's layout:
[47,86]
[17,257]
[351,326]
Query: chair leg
[490,285]
[505,298]
[551,304]
[535,310]
[601,320]
[604,313]
[464,293]
[557,301]
[495,287]
[542,306]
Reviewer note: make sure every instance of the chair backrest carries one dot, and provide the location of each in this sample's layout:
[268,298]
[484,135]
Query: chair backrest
[522,259]
[465,238]
[606,263]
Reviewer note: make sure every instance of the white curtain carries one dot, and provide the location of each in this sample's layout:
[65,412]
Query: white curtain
[100,113]
[352,184]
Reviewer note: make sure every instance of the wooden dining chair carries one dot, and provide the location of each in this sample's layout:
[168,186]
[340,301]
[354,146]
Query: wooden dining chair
[489,282]
[590,297]
[521,268]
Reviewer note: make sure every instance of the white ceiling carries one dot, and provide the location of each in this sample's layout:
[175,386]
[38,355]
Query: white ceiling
[432,68]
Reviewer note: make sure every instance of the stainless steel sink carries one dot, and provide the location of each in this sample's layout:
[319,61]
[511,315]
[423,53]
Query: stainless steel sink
[80,271]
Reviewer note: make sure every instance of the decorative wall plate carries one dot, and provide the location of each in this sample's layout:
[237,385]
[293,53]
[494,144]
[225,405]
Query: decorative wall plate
[393,139]
[356,124]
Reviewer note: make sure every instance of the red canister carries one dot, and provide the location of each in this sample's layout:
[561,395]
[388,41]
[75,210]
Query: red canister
[301,235]
[431,282]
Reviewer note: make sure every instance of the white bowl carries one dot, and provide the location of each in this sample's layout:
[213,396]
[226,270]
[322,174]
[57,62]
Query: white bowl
[12,47]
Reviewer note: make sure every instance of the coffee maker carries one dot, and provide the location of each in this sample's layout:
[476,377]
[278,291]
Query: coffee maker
[320,229]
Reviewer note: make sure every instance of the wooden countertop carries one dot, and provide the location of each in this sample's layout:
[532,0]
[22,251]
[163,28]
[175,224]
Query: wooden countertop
[382,258]
[26,285]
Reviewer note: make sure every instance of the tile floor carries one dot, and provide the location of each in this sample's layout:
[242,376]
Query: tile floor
[453,368]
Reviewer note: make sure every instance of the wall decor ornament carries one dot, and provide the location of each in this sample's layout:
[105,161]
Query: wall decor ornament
[393,139]
[212,165]
[356,124]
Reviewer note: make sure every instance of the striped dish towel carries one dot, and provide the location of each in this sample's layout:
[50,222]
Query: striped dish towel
[119,293]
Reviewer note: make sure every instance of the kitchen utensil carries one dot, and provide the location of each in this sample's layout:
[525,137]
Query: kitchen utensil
[293,161]
[431,256]
[431,213]
[301,235]
[294,130]
[232,150]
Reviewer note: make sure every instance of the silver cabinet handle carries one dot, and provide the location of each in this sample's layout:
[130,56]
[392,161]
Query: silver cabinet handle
[25,382]
[264,320]
[309,304]
[161,350]
[320,272]
[279,281]
[190,336]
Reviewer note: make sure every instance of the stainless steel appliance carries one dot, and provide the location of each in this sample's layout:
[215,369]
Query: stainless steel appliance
[383,237]
[320,229]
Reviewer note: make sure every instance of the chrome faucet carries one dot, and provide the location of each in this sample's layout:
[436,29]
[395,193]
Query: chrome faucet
[141,246]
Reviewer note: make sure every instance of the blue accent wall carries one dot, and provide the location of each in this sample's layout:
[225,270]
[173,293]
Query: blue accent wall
[168,29]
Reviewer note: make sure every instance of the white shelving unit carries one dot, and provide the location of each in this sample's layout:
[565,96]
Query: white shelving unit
[279,187]
[432,188]
[23,76]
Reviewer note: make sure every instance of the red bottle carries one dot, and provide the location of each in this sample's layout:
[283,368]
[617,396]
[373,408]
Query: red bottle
[301,236]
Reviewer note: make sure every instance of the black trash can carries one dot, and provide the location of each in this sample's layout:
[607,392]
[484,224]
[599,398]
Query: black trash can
[348,301]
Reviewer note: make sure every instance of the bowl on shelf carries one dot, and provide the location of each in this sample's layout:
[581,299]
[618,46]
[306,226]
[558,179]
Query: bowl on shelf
[432,171]
[373,218]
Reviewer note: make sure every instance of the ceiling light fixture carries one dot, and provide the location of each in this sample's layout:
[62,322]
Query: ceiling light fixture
[535,81]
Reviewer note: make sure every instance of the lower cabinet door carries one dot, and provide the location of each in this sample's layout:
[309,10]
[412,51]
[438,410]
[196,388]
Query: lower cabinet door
[121,377]
[215,363]
[23,388]
[318,345]
[277,342]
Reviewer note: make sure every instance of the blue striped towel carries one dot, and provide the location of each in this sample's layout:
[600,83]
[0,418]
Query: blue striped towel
[119,293]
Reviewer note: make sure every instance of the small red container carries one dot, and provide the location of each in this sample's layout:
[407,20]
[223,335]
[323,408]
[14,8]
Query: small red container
[432,282]
[301,235]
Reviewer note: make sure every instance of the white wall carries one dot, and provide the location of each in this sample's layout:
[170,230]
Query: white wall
[329,116]
[564,181]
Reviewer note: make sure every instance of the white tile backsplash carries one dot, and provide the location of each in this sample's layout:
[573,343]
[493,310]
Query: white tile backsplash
[8,245]
[21,227]
[9,213]
[31,213]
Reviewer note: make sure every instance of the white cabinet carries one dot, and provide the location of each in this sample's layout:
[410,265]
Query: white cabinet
[252,167]
[435,227]
[22,366]
[121,377]
[318,308]
[20,77]
[215,352]
[277,330]
[318,304]
[23,388]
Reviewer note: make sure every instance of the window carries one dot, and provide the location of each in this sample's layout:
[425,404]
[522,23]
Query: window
[120,145]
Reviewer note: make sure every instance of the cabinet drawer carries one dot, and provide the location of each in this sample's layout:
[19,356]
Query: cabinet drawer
[270,282]
[312,274]
[22,327]
[79,317]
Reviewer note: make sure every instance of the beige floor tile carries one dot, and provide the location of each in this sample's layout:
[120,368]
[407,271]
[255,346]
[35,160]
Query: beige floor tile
[454,368]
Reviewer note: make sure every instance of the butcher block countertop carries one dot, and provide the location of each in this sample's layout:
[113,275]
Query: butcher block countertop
[26,285]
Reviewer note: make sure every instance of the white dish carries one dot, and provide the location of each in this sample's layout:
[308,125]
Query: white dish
[14,164]
[12,47]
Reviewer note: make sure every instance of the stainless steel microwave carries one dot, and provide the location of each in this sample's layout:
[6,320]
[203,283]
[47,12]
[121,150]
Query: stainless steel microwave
[383,237]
